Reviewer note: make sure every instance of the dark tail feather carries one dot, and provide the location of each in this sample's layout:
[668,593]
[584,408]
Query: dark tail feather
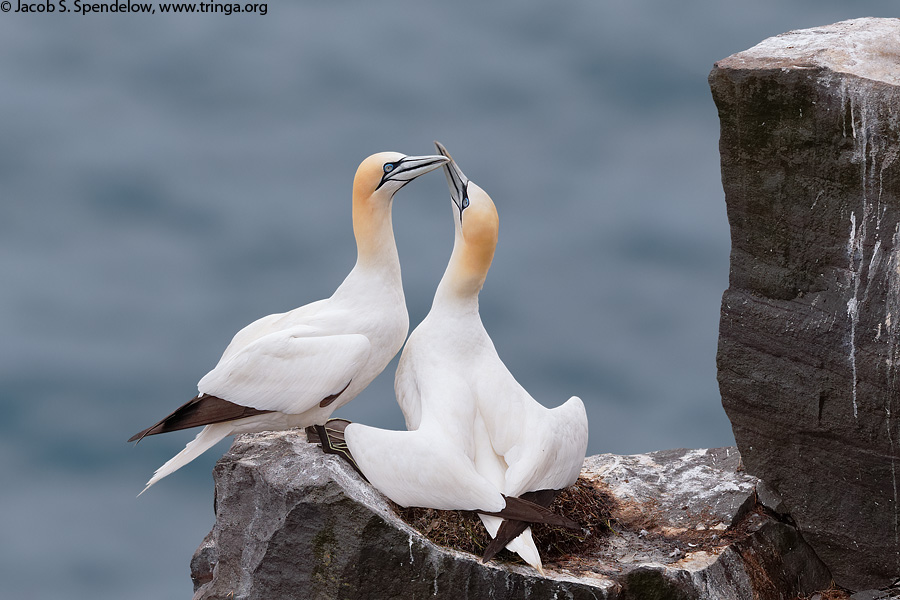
[199,410]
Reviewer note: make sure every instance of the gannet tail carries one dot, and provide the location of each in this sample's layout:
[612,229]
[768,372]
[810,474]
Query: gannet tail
[208,437]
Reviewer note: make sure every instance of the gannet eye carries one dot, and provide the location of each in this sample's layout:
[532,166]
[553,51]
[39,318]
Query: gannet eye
[388,167]
[465,202]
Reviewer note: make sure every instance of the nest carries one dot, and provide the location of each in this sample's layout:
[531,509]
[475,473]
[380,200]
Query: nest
[583,502]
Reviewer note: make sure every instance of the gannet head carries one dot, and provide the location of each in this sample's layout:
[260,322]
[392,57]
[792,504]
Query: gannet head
[377,180]
[384,173]
[477,225]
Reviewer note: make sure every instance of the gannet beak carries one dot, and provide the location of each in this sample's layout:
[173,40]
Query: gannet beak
[409,167]
[456,180]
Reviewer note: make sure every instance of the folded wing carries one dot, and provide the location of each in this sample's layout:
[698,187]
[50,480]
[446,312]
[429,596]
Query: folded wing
[289,371]
[424,467]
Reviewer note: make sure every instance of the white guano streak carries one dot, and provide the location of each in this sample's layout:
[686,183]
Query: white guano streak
[853,305]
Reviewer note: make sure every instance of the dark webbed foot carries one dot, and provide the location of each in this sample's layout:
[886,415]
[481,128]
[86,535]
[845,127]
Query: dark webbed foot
[331,437]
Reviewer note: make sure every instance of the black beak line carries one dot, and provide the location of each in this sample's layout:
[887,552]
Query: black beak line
[409,167]
[456,180]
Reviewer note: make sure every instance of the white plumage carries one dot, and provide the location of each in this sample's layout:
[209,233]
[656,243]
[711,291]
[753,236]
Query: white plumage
[473,432]
[294,369]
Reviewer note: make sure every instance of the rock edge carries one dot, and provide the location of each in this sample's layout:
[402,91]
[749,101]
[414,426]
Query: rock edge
[294,523]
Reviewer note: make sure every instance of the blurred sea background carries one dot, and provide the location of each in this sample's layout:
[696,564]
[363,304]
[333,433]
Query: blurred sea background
[165,180]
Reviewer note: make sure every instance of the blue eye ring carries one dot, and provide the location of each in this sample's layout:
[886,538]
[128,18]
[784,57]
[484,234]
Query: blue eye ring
[388,167]
[465,202]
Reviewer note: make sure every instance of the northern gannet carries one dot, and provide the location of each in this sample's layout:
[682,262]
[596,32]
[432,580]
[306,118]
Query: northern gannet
[476,439]
[294,369]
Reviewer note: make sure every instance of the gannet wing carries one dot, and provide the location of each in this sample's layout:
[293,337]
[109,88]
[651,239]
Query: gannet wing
[423,468]
[406,383]
[322,311]
[551,453]
[290,371]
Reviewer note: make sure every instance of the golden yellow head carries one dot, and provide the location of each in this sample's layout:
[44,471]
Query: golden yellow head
[377,180]
[477,228]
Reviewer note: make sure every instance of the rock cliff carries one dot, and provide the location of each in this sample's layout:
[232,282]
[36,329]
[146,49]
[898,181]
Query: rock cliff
[810,328]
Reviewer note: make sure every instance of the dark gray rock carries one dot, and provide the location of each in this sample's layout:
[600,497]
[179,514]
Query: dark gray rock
[771,499]
[810,327]
[871,595]
[294,523]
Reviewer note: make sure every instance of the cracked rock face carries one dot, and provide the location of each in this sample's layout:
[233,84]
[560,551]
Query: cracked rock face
[809,342]
[292,522]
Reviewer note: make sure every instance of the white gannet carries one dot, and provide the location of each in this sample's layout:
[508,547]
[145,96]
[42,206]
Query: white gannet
[294,369]
[476,439]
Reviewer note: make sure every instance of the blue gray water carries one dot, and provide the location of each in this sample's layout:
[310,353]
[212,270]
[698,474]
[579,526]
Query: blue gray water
[164,180]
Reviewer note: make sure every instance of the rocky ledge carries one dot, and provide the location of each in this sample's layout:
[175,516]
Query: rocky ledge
[292,522]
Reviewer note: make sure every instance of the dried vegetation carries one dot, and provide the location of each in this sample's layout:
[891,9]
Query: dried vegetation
[584,502]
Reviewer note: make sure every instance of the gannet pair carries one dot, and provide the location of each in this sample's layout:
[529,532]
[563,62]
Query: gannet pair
[476,439]
[294,369]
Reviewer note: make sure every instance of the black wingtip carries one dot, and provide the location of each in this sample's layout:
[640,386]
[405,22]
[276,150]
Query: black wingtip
[200,410]
[520,509]
[510,529]
[140,435]
[498,543]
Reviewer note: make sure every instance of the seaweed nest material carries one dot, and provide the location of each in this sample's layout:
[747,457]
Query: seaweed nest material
[585,502]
